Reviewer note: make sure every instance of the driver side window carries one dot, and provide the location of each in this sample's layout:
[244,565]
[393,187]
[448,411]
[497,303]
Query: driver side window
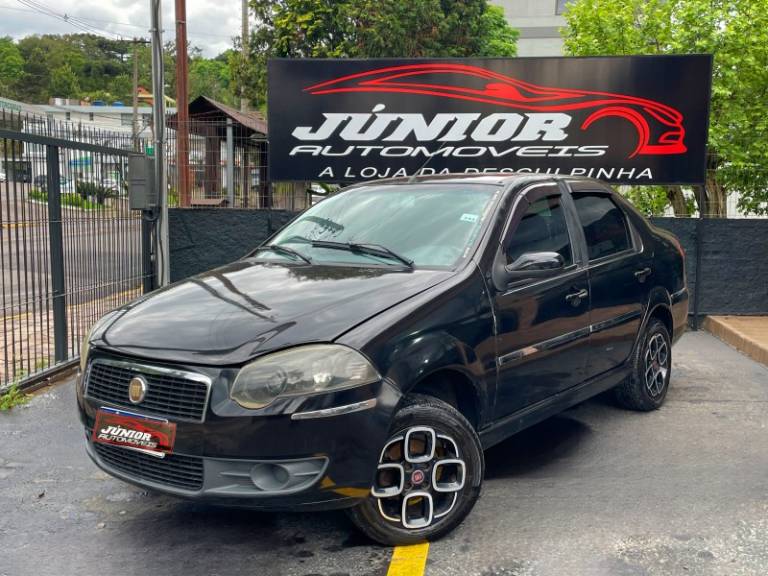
[543,228]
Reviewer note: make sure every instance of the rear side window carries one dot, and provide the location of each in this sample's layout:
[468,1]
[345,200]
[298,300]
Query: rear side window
[605,226]
[543,228]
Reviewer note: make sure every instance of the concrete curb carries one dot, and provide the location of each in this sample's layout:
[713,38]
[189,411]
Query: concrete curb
[748,334]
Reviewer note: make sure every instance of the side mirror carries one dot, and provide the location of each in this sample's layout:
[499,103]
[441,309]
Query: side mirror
[534,265]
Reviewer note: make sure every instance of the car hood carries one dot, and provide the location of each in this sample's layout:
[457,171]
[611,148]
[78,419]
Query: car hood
[234,313]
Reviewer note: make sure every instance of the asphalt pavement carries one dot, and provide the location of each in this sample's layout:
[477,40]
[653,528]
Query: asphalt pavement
[102,251]
[595,491]
[102,270]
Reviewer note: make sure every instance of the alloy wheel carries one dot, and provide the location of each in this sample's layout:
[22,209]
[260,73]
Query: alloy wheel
[656,365]
[419,477]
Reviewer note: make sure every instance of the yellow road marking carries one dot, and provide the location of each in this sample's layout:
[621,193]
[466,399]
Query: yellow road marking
[22,224]
[409,560]
[15,316]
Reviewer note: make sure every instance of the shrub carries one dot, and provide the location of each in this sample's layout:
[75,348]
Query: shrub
[13,397]
[86,190]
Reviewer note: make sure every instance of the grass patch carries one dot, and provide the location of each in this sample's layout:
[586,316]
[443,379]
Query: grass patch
[39,195]
[13,397]
[79,202]
[72,200]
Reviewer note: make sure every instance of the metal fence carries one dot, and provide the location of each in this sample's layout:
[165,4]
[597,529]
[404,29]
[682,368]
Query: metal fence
[228,168]
[70,248]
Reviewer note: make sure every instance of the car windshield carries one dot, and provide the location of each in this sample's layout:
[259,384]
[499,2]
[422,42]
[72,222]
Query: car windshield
[432,225]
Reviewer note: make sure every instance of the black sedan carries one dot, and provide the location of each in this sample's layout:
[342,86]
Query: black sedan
[367,354]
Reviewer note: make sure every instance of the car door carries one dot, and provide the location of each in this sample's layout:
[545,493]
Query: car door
[618,276]
[542,323]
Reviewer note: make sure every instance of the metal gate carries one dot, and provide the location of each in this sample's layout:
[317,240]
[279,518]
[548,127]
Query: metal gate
[70,248]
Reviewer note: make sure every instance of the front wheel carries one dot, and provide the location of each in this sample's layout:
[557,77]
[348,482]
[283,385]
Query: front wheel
[428,477]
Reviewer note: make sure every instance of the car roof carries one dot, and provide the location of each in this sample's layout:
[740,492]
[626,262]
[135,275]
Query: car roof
[495,178]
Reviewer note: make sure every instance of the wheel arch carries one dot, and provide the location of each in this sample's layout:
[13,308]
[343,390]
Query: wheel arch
[664,313]
[454,386]
[659,306]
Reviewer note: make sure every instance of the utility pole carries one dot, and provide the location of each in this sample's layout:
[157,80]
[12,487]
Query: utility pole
[244,55]
[158,120]
[182,110]
[136,95]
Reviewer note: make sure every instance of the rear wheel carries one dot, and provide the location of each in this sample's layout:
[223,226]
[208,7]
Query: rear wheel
[647,386]
[428,478]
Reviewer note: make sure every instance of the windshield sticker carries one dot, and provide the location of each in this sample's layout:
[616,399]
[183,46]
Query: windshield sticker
[469,218]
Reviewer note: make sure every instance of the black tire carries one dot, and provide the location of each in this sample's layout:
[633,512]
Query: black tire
[646,387]
[419,411]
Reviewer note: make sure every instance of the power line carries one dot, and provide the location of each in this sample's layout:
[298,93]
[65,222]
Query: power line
[71,20]
[84,20]
[13,8]
[146,27]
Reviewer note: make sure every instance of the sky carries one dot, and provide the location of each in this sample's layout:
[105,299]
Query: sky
[211,24]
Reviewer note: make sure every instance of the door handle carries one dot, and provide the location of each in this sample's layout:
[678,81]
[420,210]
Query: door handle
[642,274]
[575,298]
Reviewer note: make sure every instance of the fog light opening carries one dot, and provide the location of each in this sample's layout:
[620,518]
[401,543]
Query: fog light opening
[270,477]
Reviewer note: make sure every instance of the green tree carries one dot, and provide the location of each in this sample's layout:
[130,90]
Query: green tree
[654,200]
[500,39]
[77,53]
[97,68]
[736,32]
[367,29]
[422,28]
[11,66]
[121,88]
[210,78]
[64,82]
[34,85]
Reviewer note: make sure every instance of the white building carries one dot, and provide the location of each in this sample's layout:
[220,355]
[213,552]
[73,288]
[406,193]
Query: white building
[539,23]
[9,106]
[109,118]
[107,125]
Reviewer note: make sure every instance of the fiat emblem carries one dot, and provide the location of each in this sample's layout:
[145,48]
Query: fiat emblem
[137,389]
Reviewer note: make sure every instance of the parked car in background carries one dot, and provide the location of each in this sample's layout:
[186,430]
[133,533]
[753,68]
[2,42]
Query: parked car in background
[3,177]
[114,186]
[367,354]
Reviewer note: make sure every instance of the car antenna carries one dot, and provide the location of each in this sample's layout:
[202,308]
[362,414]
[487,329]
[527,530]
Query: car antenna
[415,175]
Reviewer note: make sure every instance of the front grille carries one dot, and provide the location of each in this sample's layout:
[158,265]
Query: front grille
[170,393]
[185,472]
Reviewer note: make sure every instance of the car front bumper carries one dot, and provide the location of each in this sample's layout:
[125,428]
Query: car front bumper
[312,457]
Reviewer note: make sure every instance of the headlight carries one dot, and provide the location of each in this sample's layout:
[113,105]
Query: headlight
[302,370]
[85,345]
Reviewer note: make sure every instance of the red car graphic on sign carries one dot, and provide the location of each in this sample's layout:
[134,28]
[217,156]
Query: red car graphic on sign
[659,127]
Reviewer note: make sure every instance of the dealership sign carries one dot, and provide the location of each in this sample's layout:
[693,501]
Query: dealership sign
[636,119]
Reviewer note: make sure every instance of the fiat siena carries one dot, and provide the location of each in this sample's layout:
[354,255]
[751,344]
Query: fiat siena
[366,355]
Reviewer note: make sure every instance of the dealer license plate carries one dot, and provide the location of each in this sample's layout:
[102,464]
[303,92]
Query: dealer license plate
[154,436]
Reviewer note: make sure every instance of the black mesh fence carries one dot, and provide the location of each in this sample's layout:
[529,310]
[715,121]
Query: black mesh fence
[70,248]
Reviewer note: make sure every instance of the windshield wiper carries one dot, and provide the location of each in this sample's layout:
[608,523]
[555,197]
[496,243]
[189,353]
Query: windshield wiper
[362,248]
[280,249]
